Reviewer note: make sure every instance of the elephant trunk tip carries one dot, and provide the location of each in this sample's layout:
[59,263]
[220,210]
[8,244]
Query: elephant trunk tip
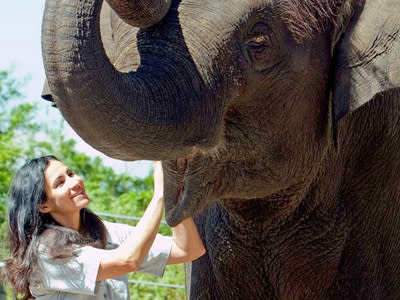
[141,13]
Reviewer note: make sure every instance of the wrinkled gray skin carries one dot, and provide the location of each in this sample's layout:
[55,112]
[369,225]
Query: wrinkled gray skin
[279,128]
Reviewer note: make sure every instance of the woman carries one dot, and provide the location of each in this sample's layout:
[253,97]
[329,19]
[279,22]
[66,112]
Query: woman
[61,250]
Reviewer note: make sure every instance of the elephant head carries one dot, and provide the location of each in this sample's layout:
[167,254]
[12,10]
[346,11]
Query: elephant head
[240,99]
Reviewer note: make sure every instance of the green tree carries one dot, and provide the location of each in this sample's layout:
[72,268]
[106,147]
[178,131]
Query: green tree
[9,87]
[14,122]
[22,137]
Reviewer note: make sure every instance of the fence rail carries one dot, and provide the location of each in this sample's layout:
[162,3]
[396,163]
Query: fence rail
[159,284]
[122,217]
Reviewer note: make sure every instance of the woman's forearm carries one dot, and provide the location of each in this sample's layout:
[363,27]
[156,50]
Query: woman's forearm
[130,254]
[139,243]
[187,244]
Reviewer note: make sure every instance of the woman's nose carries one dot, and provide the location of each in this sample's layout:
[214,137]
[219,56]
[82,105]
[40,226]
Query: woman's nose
[75,183]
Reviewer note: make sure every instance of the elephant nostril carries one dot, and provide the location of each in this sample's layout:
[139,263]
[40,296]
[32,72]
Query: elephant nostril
[181,192]
[181,164]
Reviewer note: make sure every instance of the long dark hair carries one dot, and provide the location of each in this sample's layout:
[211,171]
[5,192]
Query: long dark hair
[27,228]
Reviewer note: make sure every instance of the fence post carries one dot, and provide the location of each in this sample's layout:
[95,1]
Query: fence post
[188,277]
[3,295]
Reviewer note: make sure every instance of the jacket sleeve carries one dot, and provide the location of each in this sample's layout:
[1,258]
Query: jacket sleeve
[157,258]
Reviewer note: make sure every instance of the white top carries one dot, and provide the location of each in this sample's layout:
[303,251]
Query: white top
[74,278]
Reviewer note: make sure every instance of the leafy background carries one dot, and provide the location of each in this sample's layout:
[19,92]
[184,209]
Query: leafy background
[23,136]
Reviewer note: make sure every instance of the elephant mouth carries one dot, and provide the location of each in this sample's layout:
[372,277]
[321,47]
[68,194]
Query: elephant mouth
[183,191]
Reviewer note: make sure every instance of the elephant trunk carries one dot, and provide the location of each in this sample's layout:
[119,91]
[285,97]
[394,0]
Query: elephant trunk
[140,13]
[138,115]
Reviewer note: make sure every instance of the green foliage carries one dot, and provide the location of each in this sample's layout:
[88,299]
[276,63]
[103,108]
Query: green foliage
[14,124]
[22,138]
[9,87]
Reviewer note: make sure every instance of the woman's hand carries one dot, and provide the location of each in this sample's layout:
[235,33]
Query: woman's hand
[158,177]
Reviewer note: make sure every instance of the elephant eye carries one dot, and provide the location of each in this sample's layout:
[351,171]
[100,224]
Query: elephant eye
[261,49]
[258,40]
[257,45]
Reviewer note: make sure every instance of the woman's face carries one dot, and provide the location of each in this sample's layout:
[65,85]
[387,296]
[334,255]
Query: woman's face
[65,192]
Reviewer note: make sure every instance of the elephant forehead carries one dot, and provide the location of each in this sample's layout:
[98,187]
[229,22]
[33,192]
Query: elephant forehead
[217,18]
[209,28]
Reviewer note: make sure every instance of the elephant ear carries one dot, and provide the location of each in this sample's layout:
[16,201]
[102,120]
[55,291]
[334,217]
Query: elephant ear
[367,55]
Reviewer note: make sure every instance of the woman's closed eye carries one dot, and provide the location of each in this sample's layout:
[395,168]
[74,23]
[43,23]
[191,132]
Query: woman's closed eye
[59,182]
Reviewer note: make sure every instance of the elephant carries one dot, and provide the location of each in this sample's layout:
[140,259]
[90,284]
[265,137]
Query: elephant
[277,121]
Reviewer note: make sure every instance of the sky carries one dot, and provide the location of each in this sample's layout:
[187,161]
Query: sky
[20,49]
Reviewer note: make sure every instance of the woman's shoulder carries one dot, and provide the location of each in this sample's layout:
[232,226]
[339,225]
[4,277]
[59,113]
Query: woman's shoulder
[117,232]
[111,226]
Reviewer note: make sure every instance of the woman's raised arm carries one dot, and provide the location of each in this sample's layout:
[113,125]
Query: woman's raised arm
[130,254]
